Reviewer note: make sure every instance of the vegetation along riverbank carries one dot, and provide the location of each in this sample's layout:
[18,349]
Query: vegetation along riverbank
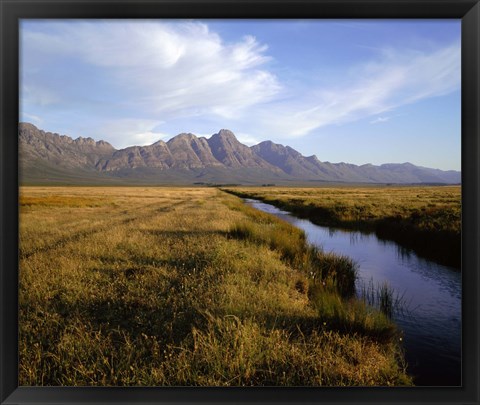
[424,219]
[188,287]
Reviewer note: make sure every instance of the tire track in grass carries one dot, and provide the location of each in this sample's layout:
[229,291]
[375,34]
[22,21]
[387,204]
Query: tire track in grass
[92,231]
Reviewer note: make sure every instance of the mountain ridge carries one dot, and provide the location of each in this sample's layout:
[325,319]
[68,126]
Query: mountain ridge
[188,159]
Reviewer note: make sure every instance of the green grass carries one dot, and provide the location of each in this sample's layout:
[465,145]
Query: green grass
[425,219]
[187,287]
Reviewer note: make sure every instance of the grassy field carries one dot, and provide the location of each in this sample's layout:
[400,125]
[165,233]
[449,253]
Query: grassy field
[425,219]
[187,287]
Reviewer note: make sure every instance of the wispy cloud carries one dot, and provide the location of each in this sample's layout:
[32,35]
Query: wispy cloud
[398,78]
[35,119]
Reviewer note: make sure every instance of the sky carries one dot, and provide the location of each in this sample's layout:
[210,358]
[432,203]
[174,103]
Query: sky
[356,91]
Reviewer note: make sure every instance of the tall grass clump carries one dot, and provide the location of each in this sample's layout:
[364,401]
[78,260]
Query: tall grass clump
[352,316]
[383,297]
[330,269]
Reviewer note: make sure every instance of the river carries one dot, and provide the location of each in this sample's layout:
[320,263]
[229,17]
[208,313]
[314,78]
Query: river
[431,295]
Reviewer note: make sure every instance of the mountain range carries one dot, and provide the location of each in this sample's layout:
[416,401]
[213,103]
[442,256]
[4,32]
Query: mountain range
[46,158]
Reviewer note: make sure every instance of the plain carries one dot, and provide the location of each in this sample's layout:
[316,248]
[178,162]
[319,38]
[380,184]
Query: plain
[177,286]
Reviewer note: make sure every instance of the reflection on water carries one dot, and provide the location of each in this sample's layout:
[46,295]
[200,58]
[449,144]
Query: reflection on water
[432,325]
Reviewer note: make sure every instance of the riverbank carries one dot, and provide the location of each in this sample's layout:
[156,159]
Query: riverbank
[187,287]
[426,296]
[424,219]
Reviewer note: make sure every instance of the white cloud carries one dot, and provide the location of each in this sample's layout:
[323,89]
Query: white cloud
[169,70]
[247,139]
[128,132]
[146,138]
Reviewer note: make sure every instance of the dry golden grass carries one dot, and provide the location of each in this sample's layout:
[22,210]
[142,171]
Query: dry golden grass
[368,203]
[426,219]
[153,286]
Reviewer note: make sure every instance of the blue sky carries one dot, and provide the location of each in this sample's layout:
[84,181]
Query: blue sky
[357,91]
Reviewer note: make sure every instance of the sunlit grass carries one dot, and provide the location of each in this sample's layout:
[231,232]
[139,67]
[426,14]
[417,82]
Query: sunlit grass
[426,219]
[186,286]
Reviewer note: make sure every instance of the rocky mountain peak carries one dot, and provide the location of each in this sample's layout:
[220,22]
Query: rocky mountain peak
[26,126]
[182,137]
[104,144]
[225,135]
[230,152]
[85,141]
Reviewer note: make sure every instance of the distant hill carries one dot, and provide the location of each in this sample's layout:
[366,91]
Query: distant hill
[49,158]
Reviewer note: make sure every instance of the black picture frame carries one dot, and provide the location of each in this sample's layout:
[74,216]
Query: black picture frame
[11,11]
